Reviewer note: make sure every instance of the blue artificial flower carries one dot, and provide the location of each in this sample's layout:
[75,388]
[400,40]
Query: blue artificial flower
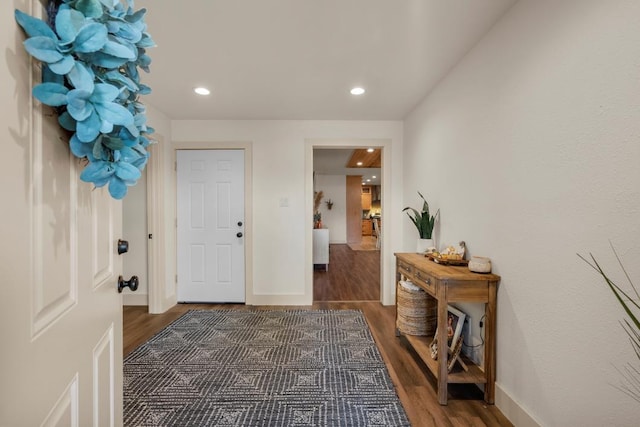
[91,51]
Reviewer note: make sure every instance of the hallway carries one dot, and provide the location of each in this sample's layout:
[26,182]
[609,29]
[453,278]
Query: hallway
[352,276]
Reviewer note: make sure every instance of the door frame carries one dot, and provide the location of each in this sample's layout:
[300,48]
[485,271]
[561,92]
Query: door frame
[163,296]
[387,274]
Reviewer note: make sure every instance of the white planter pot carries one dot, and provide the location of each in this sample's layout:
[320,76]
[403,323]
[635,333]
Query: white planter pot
[424,244]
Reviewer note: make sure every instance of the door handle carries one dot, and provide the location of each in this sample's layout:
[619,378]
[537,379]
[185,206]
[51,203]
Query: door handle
[239,234]
[131,283]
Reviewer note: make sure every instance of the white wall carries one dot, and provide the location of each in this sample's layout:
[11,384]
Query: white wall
[334,187]
[530,147]
[282,169]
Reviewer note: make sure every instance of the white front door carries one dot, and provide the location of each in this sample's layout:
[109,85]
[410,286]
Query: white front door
[60,311]
[210,225]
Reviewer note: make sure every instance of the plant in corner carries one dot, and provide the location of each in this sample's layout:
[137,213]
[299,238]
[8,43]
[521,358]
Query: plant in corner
[631,374]
[424,222]
[90,52]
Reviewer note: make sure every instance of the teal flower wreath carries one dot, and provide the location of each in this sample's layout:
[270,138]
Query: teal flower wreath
[91,51]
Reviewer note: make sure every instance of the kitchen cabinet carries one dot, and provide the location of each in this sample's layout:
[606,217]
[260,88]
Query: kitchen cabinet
[366,197]
[367,227]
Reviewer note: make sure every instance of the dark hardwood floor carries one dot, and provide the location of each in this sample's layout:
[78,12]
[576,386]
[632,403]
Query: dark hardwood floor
[414,384]
[352,276]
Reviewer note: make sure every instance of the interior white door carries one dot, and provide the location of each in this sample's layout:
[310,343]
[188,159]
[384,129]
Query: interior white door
[60,311]
[210,235]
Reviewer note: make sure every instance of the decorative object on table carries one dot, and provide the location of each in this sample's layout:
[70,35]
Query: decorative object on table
[449,255]
[480,264]
[90,52]
[261,368]
[329,204]
[455,322]
[317,216]
[629,302]
[416,312]
[424,222]
[453,355]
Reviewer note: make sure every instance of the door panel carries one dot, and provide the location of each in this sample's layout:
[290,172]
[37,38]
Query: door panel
[60,313]
[210,207]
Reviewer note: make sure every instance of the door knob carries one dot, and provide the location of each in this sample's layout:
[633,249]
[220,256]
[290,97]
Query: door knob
[131,283]
[123,246]
[239,223]
[239,234]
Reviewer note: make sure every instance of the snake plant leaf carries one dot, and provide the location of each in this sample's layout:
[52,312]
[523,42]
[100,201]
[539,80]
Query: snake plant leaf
[43,48]
[80,107]
[90,8]
[82,77]
[34,27]
[63,66]
[89,129]
[52,94]
[91,38]
[68,23]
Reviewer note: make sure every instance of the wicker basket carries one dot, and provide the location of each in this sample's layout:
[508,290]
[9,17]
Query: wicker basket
[416,311]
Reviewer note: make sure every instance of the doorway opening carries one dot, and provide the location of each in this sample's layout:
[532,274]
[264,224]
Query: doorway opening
[350,182]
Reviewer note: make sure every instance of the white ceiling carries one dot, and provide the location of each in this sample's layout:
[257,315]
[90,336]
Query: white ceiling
[298,59]
[333,161]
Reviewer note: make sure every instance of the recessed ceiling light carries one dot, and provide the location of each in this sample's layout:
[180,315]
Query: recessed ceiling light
[359,163]
[374,177]
[368,180]
[357,91]
[202,91]
[370,150]
[363,183]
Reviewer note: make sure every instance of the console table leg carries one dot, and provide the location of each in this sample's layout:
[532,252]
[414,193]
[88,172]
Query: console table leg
[443,353]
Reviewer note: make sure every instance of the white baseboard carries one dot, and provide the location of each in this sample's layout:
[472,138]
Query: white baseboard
[513,411]
[135,299]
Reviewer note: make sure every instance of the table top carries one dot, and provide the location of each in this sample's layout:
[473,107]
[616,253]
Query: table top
[444,272]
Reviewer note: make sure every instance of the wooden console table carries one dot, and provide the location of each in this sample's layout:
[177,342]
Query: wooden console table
[449,284]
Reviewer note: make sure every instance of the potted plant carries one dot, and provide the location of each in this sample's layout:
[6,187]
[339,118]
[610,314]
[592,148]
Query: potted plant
[317,216]
[425,223]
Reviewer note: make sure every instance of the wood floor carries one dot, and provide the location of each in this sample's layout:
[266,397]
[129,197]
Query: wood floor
[414,384]
[353,282]
[351,276]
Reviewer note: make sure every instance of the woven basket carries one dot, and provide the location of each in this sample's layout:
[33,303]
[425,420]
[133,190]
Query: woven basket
[416,311]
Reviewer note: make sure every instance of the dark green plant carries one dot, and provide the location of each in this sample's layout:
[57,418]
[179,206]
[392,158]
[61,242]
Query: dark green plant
[630,373]
[423,221]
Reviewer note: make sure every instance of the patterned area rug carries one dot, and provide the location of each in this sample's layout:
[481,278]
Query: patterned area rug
[261,368]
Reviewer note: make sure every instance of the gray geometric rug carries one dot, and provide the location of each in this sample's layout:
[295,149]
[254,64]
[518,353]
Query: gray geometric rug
[261,368]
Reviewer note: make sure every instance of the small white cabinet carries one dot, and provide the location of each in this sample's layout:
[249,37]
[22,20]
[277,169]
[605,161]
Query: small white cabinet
[321,247]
